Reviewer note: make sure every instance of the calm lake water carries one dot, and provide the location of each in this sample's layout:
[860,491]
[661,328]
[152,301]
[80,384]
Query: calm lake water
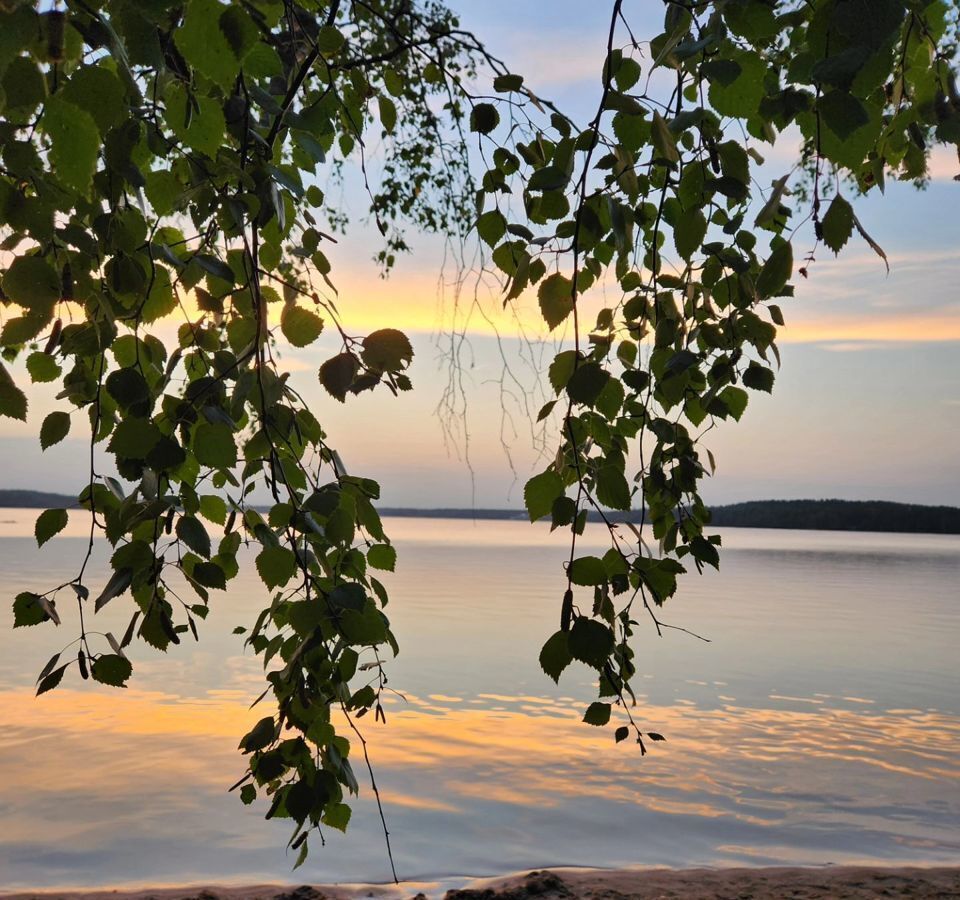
[821,725]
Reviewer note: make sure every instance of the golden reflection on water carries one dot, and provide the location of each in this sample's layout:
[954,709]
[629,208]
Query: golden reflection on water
[533,751]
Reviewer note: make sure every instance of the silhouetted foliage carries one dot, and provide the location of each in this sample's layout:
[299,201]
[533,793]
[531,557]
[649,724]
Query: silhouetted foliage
[162,160]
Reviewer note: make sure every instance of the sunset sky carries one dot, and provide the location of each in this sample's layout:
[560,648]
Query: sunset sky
[867,404]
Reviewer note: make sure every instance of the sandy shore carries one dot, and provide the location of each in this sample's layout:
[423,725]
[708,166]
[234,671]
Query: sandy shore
[855,883]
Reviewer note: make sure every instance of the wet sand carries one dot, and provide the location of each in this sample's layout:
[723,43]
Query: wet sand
[855,883]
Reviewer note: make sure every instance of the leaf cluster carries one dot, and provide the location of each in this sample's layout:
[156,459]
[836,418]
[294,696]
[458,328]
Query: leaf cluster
[163,161]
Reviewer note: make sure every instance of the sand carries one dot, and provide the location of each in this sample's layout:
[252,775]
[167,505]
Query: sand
[855,883]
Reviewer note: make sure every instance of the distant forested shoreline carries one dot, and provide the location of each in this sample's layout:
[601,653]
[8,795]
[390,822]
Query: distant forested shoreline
[840,515]
[817,515]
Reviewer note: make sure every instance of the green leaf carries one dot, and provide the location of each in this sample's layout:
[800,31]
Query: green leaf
[840,69]
[387,350]
[118,583]
[299,800]
[612,489]
[771,209]
[13,401]
[837,224]
[163,190]
[166,454]
[492,226]
[610,400]
[588,570]
[842,113]
[213,508]
[754,21]
[689,232]
[75,142]
[627,74]
[735,399]
[209,574]
[704,551]
[99,92]
[49,524]
[27,610]
[366,628]
[112,669]
[240,31]
[758,377]
[204,45]
[393,82]
[55,427]
[42,367]
[563,512]
[556,299]
[32,282]
[587,383]
[302,854]
[591,642]
[129,388]
[549,178]
[330,40]
[664,143]
[561,369]
[849,128]
[555,655]
[276,565]
[260,736]
[248,793]
[337,815]
[23,84]
[337,374]
[776,271]
[204,128]
[740,97]
[680,362]
[194,535]
[51,681]
[214,445]
[540,493]
[215,266]
[134,438]
[21,329]
[301,327]
[161,301]
[597,714]
[484,118]
[48,668]
[382,556]
[721,71]
[503,84]
[388,112]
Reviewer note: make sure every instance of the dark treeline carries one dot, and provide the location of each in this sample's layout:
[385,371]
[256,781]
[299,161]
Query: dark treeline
[823,515]
[35,500]
[840,515]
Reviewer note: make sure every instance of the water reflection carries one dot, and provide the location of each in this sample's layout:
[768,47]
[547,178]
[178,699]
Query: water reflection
[92,772]
[812,730]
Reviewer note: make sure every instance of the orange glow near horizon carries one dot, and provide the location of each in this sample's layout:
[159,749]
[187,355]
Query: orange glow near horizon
[420,301]
[413,305]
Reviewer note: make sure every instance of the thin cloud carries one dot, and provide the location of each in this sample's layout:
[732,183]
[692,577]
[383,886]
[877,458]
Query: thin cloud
[944,164]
